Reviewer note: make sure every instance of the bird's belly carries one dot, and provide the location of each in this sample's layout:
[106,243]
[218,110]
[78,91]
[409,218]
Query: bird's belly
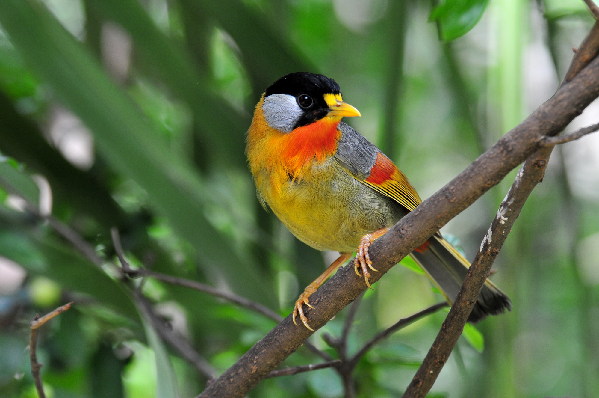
[329,209]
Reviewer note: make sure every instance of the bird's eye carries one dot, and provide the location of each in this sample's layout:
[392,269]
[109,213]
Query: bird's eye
[305,101]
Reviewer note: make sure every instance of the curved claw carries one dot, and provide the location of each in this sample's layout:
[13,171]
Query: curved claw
[298,309]
[363,263]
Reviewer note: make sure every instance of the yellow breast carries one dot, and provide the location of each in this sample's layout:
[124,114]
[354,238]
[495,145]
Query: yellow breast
[297,175]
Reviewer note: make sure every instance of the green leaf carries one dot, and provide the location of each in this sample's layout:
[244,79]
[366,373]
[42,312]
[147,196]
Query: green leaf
[562,8]
[12,180]
[265,52]
[166,383]
[474,337]
[411,264]
[14,78]
[220,126]
[131,144]
[455,18]
[69,269]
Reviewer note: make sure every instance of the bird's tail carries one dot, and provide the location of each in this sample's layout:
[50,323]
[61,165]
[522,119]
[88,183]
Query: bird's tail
[448,268]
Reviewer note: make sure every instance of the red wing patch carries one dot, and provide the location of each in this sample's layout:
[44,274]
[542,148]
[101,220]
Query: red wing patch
[387,179]
[382,170]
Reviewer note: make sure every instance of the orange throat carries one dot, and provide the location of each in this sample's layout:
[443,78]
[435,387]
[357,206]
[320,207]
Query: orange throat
[304,145]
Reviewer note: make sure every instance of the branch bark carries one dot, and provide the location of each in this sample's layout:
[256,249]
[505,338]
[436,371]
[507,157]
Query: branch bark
[490,168]
[35,325]
[529,176]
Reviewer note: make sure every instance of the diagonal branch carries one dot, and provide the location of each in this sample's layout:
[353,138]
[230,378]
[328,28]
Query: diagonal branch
[529,176]
[490,168]
[593,8]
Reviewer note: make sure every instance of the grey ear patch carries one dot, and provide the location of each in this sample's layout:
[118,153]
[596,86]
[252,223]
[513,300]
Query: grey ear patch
[281,111]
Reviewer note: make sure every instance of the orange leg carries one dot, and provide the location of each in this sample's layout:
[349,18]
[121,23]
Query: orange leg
[362,262]
[312,287]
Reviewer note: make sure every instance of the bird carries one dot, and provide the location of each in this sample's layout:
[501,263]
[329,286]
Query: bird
[334,190]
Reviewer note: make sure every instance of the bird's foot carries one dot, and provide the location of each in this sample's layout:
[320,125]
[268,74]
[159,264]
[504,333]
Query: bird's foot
[298,308]
[363,263]
[303,299]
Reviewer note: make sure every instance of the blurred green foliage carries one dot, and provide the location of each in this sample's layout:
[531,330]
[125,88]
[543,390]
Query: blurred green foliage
[131,115]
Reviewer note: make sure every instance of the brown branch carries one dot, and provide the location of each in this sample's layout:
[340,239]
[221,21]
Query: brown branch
[589,48]
[348,363]
[562,139]
[302,369]
[530,175]
[593,8]
[35,325]
[490,168]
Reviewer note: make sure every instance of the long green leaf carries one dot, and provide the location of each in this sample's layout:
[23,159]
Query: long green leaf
[166,382]
[69,269]
[11,178]
[22,139]
[457,17]
[130,143]
[265,53]
[221,126]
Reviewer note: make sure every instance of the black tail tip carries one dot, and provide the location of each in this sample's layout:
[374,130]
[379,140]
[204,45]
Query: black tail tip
[488,304]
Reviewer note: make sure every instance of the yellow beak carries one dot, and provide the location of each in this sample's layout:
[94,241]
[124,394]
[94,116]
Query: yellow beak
[338,108]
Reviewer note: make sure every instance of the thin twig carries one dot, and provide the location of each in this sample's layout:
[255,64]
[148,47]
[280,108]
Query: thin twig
[562,139]
[183,347]
[529,176]
[36,324]
[228,296]
[402,323]
[345,371]
[115,236]
[302,369]
[340,343]
[176,341]
[174,280]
